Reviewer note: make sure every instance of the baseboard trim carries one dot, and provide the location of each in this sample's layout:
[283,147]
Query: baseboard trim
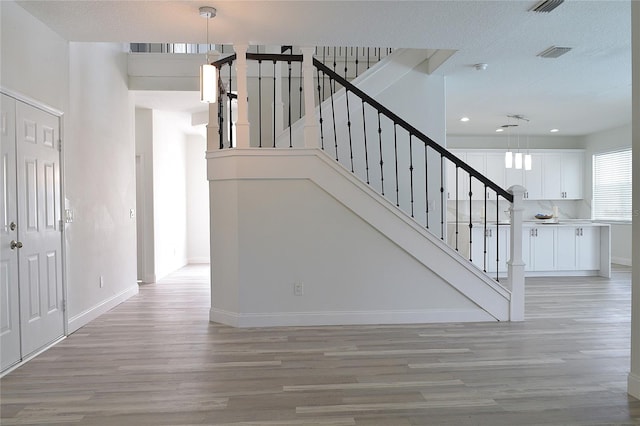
[288,319]
[633,387]
[621,261]
[83,318]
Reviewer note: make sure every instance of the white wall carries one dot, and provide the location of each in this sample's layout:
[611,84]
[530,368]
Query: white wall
[197,201]
[144,195]
[169,191]
[609,140]
[99,175]
[34,60]
[98,153]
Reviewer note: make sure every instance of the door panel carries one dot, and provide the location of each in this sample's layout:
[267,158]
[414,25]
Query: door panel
[38,164]
[9,297]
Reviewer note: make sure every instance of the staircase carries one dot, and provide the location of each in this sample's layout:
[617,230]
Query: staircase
[339,215]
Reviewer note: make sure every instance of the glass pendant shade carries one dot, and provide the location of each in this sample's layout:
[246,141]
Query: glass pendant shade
[518,160]
[508,159]
[208,86]
[527,161]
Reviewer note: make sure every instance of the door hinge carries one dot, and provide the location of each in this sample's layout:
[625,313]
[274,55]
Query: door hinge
[64,305]
[59,145]
[61,225]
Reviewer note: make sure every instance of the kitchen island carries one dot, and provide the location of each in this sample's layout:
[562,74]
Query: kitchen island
[569,247]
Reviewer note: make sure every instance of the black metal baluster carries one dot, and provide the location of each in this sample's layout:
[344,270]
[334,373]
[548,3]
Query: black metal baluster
[275,106]
[220,111]
[320,109]
[484,258]
[356,62]
[346,61]
[290,129]
[368,58]
[335,64]
[395,154]
[380,150]
[259,103]
[456,206]
[411,171]
[442,197]
[230,110]
[366,151]
[497,234]
[426,186]
[470,223]
[346,94]
[333,113]
[300,78]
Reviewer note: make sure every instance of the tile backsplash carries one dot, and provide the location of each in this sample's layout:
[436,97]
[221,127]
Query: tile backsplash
[567,209]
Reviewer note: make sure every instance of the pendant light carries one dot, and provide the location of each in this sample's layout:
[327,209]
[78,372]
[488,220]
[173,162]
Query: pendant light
[208,72]
[518,156]
[508,156]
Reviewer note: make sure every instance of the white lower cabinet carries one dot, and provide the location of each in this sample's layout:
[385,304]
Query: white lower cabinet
[541,251]
[562,248]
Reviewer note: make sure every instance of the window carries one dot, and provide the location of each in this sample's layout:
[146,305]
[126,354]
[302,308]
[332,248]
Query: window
[612,186]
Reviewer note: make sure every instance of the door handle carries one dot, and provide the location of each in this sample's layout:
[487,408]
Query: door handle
[15,244]
[12,226]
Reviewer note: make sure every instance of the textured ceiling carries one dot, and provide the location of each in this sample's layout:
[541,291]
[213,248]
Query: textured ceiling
[584,91]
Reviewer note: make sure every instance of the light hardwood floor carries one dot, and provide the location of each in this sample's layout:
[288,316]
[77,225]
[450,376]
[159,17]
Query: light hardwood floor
[156,360]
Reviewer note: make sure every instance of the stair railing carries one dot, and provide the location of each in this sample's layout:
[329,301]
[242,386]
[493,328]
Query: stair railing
[418,175]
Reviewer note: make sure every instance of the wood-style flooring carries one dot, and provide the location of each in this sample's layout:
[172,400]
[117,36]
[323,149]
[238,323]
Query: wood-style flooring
[156,360]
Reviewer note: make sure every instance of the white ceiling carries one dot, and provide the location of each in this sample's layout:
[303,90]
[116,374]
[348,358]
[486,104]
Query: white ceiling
[584,91]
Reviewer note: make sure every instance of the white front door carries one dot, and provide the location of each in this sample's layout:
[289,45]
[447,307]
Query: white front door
[40,258]
[9,297]
[32,298]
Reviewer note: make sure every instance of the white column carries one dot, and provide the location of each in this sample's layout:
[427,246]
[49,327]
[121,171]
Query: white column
[311,127]
[213,127]
[634,375]
[242,121]
[515,265]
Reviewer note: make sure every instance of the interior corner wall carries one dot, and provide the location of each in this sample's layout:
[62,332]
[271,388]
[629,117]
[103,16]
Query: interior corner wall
[99,179]
[98,153]
[169,191]
[198,249]
[144,195]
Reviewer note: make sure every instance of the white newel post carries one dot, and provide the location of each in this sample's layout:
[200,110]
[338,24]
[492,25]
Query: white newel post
[311,127]
[515,265]
[242,122]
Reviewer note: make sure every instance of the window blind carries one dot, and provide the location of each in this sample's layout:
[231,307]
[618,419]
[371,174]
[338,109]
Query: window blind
[612,186]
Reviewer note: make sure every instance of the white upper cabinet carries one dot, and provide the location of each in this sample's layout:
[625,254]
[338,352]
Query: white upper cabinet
[554,175]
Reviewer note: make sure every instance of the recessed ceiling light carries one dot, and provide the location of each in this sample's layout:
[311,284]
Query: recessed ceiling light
[464,119]
[554,130]
[500,130]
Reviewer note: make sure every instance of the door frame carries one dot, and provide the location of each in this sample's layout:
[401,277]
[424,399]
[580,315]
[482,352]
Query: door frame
[63,206]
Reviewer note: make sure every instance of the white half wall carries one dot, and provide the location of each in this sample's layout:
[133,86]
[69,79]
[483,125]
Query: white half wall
[198,250]
[286,217]
[169,191]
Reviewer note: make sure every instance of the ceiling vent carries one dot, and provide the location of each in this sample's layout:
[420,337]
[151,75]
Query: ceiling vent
[553,52]
[546,6]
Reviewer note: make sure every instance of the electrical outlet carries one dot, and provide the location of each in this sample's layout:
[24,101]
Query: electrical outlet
[101,281]
[298,289]
[132,213]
